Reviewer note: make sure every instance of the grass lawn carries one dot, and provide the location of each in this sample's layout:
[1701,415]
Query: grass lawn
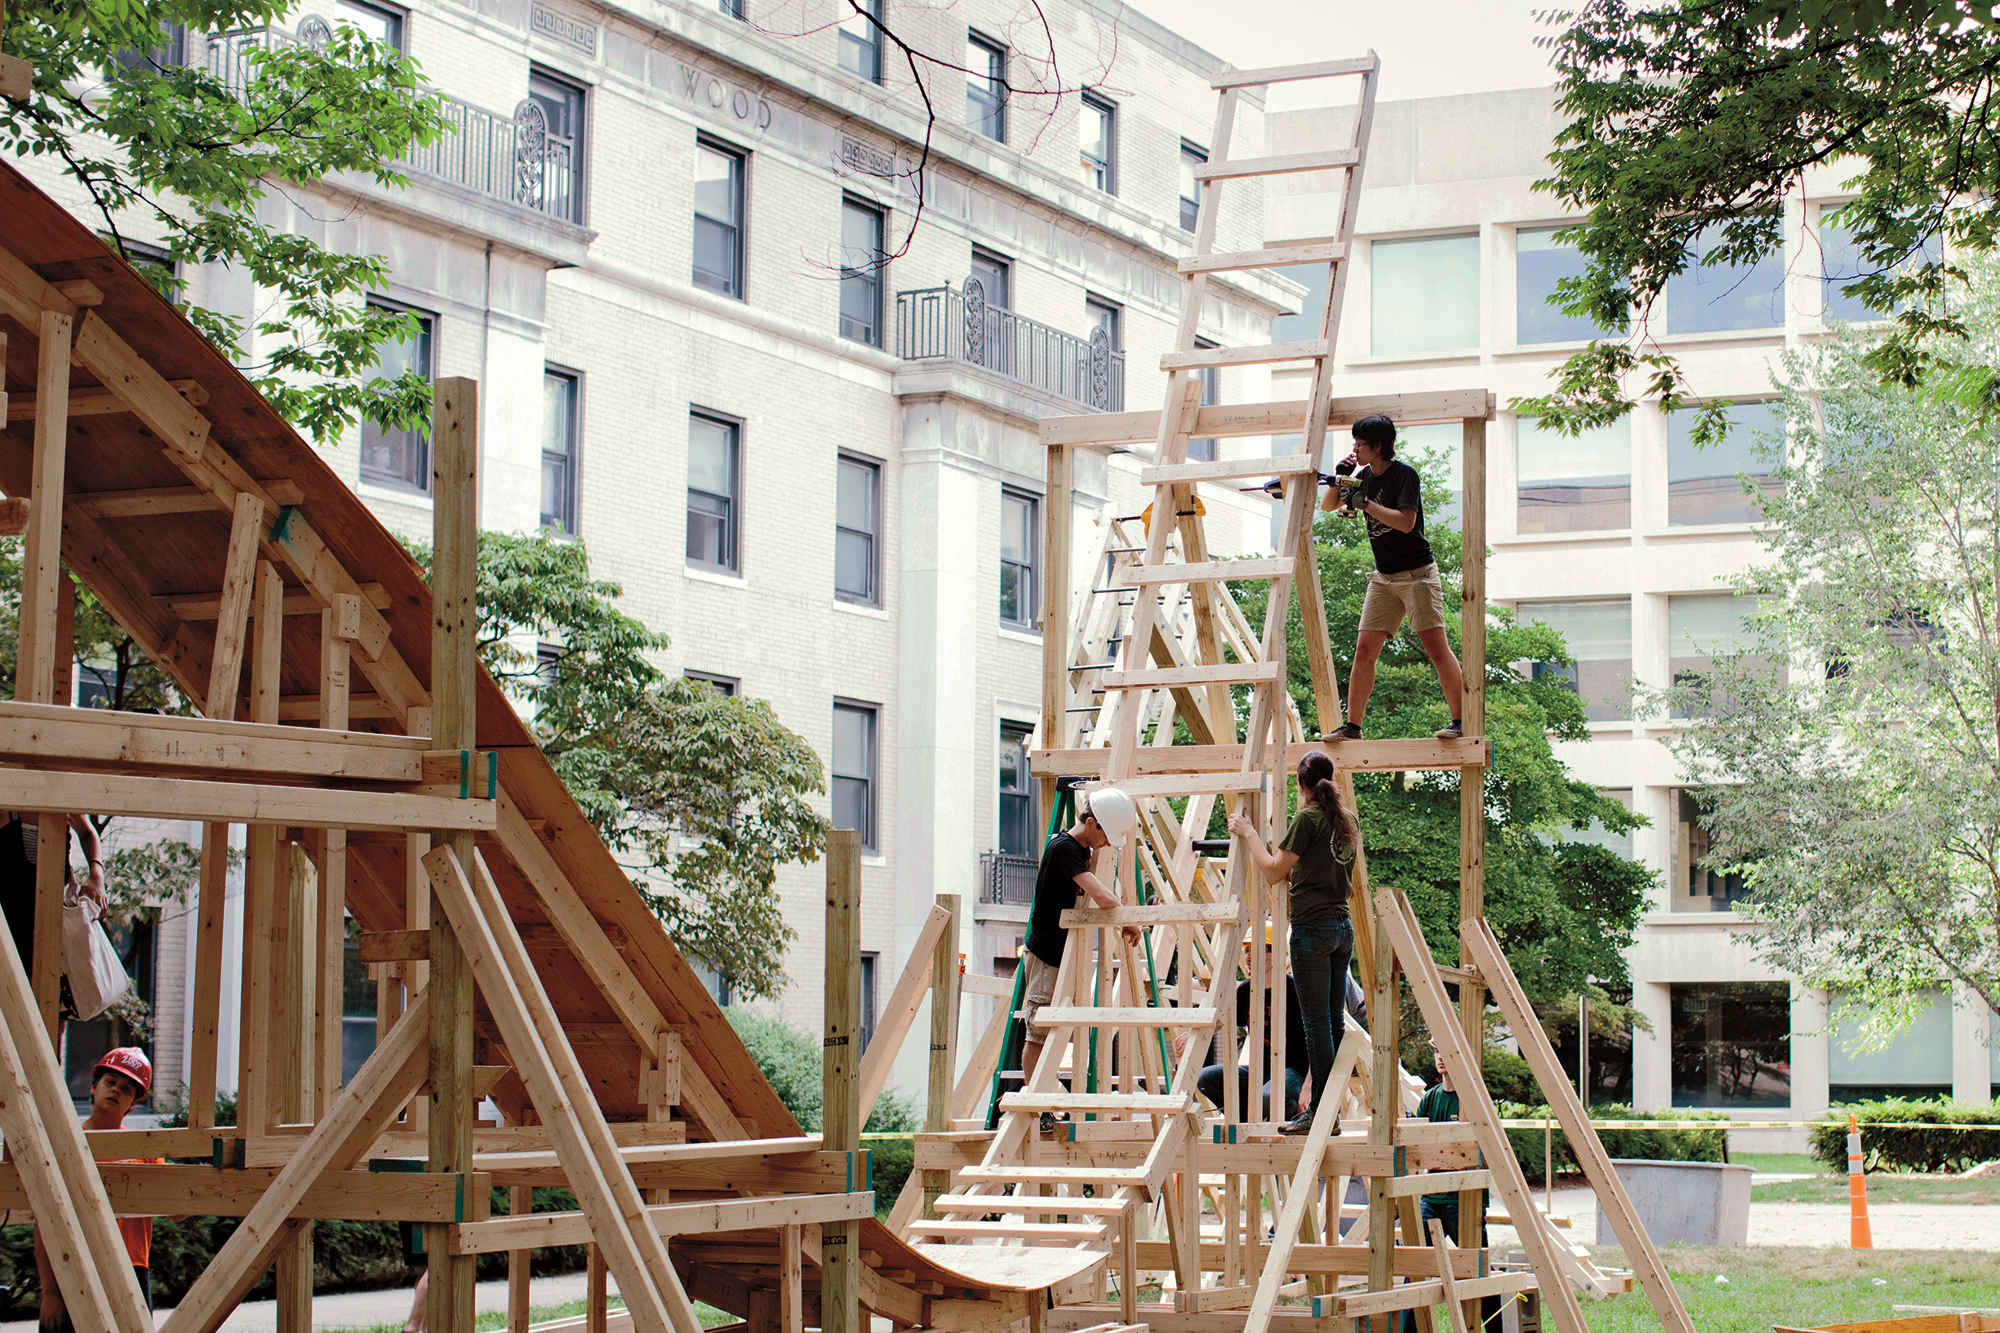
[497,1319]
[1799,1287]
[1886,1188]
[1777,1161]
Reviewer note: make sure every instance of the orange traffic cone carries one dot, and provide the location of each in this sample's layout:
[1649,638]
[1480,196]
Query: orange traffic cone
[1857,1190]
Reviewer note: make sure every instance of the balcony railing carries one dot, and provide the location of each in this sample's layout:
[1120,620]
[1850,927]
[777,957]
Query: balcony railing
[513,158]
[1007,879]
[960,325]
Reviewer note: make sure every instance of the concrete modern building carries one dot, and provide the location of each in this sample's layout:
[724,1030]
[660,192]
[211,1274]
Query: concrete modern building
[774,344]
[1622,540]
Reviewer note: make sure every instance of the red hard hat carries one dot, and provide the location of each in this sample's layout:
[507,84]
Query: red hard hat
[129,1061]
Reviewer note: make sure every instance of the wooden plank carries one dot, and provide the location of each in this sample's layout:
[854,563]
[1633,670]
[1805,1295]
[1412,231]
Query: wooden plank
[157,500]
[1155,914]
[791,1281]
[1254,354]
[1227,673]
[384,1082]
[1483,948]
[1343,1260]
[1441,1182]
[41,548]
[1191,784]
[240,802]
[1104,1016]
[296,604]
[176,423]
[239,569]
[97,401]
[394,946]
[1057,532]
[1151,1103]
[204,1041]
[148,744]
[1258,78]
[1276,256]
[1416,1295]
[944,1039]
[1207,571]
[521,1202]
[1231,421]
[51,867]
[840,1257]
[1364,756]
[901,1011]
[541,1230]
[134,1188]
[13,509]
[17,78]
[1225,469]
[25,295]
[1283,164]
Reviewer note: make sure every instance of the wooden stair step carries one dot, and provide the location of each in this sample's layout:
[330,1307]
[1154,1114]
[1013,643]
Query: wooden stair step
[1096,1016]
[1255,354]
[1072,1231]
[1227,673]
[1224,470]
[1108,1176]
[1211,571]
[1008,1203]
[1276,256]
[1284,164]
[1439,1182]
[1058,1100]
[1116,1328]
[1323,69]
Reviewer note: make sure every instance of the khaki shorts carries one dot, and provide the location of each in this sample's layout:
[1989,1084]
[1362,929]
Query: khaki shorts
[1041,989]
[1416,593]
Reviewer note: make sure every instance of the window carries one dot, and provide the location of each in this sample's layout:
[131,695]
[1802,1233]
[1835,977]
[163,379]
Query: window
[714,492]
[1018,545]
[1703,485]
[1017,792]
[992,273]
[861,42]
[1915,1063]
[724,685]
[868,962]
[1438,446]
[357,1007]
[718,219]
[1573,483]
[549,662]
[170,53]
[151,262]
[1704,626]
[986,86]
[1191,158]
[379,22]
[1599,636]
[1305,324]
[1721,298]
[1732,1044]
[1697,887]
[857,518]
[1842,261]
[561,185]
[561,394]
[1540,262]
[1002,346]
[1098,314]
[400,458]
[1618,844]
[1097,143]
[854,769]
[861,264]
[1426,295]
[1210,379]
[733,8]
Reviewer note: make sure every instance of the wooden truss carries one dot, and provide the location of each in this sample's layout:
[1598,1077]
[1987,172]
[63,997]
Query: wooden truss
[1208,1221]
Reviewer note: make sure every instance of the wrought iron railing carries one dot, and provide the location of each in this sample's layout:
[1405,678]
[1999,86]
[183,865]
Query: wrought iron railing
[515,158]
[1007,879]
[959,325]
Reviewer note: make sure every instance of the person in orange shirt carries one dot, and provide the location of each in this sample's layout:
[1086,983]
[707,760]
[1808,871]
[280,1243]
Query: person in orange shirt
[118,1080]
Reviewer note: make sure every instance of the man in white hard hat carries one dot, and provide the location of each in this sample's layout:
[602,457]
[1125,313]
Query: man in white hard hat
[1107,817]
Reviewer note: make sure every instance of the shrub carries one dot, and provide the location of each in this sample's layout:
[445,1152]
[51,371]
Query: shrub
[1921,1149]
[791,1061]
[1656,1145]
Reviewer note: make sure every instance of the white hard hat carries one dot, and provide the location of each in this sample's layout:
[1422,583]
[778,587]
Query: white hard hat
[1114,812]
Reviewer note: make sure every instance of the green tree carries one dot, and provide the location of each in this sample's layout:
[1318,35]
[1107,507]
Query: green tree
[1693,118]
[1852,750]
[705,794]
[1564,910]
[189,153]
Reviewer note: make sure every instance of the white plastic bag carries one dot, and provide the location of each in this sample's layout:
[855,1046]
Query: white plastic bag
[96,976]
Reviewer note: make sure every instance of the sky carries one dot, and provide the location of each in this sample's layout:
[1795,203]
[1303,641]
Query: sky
[1429,48]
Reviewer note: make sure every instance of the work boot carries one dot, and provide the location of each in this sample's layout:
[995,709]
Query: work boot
[1456,731]
[1346,731]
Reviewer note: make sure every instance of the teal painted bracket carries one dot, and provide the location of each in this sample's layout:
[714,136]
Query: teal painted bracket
[229,1153]
[281,525]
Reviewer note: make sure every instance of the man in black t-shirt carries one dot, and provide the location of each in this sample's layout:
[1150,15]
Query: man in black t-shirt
[1405,581]
[1065,872]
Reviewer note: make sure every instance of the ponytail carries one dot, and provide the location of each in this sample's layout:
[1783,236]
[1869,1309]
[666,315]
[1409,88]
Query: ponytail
[1316,778]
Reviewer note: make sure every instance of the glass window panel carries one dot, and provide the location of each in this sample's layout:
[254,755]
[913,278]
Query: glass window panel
[712,493]
[1096,134]
[718,209]
[853,564]
[383,25]
[1305,324]
[860,273]
[1101,315]
[559,449]
[1192,157]
[1573,483]
[861,43]
[1426,295]
[993,274]
[986,87]
[854,770]
[711,457]
[854,507]
[854,574]
[1598,836]
[1725,298]
[1732,1044]
[1915,1062]
[399,457]
[1598,635]
[1540,263]
[715,184]
[1017,794]
[850,742]
[1441,443]
[1841,262]
[1702,485]
[1703,626]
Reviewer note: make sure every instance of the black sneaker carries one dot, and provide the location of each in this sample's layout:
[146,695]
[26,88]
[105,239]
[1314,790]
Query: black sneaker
[1301,1123]
[1048,1124]
[1346,731]
[1456,731]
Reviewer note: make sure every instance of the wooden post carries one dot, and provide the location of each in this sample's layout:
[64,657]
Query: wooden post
[1472,781]
[944,1044]
[791,1280]
[205,1043]
[294,985]
[331,855]
[521,1202]
[35,648]
[239,572]
[1384,1016]
[596,1318]
[454,726]
[64,688]
[255,1107]
[1054,730]
[840,1124]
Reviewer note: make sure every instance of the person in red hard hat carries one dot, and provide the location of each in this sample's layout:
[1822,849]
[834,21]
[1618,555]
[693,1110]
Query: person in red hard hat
[117,1081]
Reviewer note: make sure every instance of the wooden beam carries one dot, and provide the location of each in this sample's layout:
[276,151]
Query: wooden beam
[177,500]
[41,552]
[13,510]
[204,1042]
[239,575]
[367,1105]
[840,1252]
[142,389]
[1366,756]
[1232,421]
[148,744]
[359,1196]
[24,294]
[541,1230]
[17,78]
[296,604]
[944,1041]
[901,1010]
[239,802]
[1058,537]
[97,401]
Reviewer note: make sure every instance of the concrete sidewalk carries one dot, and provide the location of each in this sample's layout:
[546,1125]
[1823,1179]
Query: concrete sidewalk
[1894,1226]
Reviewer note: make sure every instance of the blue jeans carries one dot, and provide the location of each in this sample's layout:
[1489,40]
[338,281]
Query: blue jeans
[1321,951]
[1210,1085]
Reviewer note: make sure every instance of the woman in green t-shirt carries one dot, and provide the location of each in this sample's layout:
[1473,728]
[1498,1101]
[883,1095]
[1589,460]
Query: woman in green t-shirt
[1318,854]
